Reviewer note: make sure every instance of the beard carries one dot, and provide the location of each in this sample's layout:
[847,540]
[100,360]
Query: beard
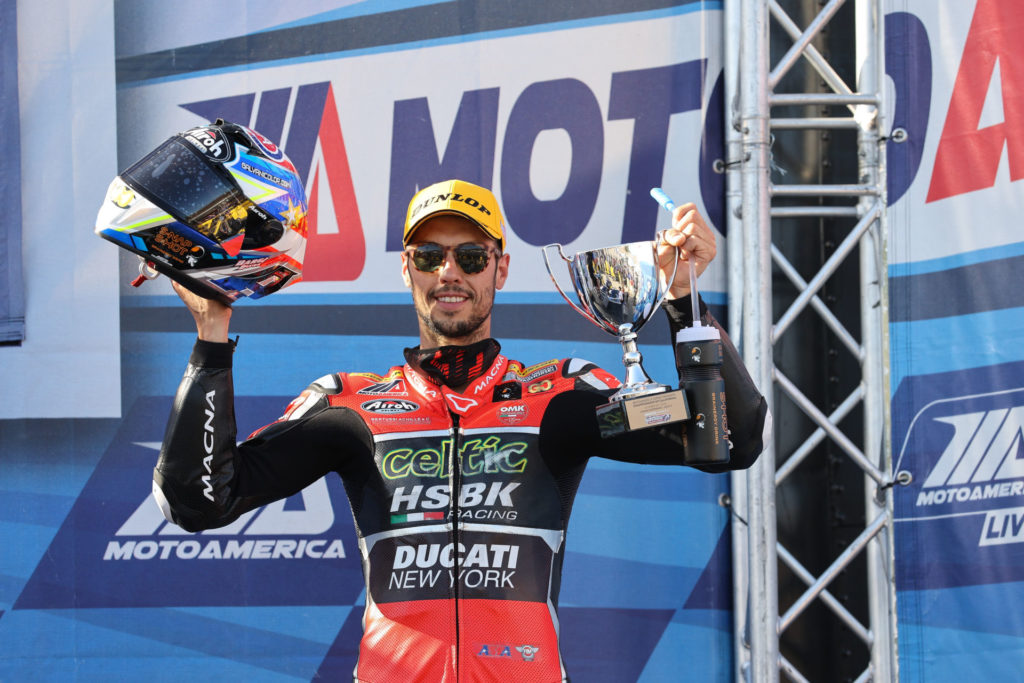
[453,329]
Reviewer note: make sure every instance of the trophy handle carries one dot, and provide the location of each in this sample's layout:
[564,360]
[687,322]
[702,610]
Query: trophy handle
[586,314]
[658,239]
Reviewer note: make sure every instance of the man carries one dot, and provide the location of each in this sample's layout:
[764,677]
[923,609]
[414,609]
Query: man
[461,491]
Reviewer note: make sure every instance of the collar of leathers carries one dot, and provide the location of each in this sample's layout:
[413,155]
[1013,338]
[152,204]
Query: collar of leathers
[454,366]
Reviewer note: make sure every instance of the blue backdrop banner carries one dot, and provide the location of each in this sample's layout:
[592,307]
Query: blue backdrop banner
[957,319]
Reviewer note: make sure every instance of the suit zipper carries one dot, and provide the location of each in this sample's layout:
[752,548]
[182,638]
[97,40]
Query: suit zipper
[454,486]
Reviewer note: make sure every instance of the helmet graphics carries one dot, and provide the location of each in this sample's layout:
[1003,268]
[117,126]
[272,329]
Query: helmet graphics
[218,208]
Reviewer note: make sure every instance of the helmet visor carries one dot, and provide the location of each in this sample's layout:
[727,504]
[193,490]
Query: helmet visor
[181,181]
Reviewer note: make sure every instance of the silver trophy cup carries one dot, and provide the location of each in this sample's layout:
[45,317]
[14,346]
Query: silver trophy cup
[619,289]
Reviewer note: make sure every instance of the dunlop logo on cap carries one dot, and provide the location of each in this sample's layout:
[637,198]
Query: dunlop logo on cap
[459,198]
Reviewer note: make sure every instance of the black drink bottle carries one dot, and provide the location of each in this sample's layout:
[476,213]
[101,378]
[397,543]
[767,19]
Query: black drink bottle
[699,355]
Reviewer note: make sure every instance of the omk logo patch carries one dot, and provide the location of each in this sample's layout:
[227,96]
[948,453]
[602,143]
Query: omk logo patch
[967,456]
[115,549]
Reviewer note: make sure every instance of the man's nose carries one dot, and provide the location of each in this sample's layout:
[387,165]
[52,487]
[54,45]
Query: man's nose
[449,269]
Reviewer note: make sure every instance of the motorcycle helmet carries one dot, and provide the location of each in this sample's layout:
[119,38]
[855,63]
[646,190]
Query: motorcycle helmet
[218,208]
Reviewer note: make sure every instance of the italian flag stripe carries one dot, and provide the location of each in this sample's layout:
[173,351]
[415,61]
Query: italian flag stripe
[416,517]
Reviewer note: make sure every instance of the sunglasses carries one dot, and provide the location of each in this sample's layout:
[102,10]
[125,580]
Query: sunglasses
[472,258]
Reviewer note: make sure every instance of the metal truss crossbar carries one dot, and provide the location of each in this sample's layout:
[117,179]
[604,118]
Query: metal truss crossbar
[818,305]
[805,449]
[833,570]
[819,63]
[830,267]
[811,410]
[827,598]
[814,212]
[802,42]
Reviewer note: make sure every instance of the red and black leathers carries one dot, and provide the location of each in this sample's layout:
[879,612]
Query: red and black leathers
[461,499]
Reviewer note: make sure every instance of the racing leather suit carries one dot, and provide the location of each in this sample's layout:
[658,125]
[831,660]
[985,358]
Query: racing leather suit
[461,500]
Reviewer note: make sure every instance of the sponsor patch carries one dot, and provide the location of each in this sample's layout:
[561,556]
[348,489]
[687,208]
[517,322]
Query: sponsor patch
[504,651]
[171,244]
[540,387]
[387,406]
[394,387]
[489,377]
[211,142]
[269,149]
[528,652]
[513,413]
[265,175]
[509,391]
[378,419]
[250,263]
[531,373]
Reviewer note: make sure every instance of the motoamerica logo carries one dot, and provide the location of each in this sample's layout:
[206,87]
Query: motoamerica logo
[254,536]
[115,549]
[966,455]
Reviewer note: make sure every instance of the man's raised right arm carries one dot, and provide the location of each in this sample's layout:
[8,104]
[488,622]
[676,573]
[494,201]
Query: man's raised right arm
[193,476]
[204,478]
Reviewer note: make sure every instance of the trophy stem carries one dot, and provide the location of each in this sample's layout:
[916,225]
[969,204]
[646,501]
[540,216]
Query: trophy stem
[637,380]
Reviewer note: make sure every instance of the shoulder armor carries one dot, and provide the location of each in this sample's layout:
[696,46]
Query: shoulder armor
[328,384]
[589,374]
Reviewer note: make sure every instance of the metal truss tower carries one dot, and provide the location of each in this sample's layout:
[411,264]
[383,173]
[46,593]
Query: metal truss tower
[771,215]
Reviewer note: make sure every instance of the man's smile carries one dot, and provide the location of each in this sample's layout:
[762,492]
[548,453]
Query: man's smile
[451,299]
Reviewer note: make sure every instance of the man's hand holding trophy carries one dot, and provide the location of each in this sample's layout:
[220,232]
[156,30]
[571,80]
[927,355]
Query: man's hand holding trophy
[619,288]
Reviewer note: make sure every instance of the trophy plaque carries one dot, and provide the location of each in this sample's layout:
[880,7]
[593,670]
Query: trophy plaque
[619,289]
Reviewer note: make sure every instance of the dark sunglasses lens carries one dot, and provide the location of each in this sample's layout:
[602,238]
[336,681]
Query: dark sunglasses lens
[428,258]
[472,259]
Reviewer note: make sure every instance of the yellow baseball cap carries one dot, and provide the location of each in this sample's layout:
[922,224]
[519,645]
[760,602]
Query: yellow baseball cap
[456,197]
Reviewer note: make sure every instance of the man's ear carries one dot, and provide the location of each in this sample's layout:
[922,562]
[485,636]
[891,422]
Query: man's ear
[501,272]
[405,271]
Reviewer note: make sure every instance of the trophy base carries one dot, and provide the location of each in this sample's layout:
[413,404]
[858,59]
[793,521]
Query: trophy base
[641,412]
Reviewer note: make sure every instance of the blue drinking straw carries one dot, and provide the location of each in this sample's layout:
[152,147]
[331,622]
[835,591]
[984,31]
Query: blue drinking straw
[670,206]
